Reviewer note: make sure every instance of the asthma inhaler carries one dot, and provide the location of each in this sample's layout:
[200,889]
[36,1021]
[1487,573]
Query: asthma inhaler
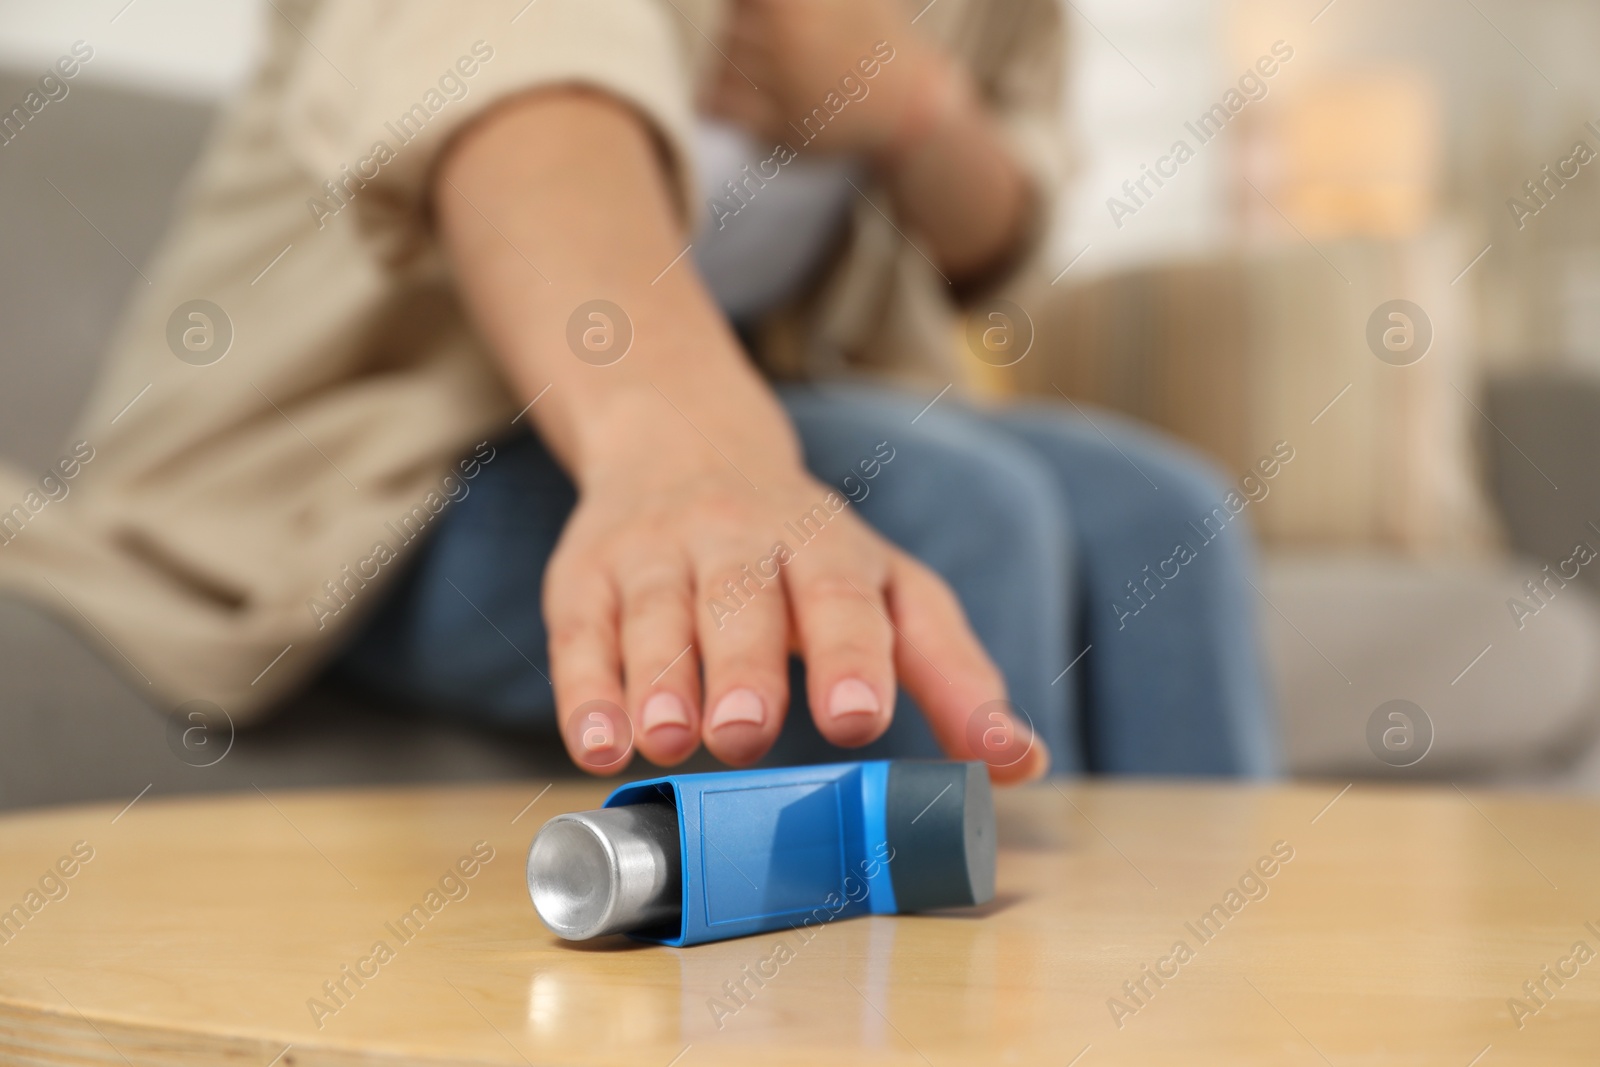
[700,857]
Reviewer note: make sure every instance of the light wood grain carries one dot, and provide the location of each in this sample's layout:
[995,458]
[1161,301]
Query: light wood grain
[1406,919]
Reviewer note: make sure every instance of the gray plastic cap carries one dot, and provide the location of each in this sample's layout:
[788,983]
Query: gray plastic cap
[940,823]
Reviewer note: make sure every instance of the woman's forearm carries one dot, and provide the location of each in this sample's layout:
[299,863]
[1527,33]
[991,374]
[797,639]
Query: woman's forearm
[688,469]
[955,180]
[558,199]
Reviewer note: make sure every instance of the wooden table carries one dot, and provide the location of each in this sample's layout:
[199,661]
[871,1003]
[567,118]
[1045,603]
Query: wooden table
[202,931]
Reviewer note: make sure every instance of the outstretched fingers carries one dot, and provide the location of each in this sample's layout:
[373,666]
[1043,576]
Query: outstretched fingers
[743,627]
[944,667]
[843,631]
[581,611]
[659,659]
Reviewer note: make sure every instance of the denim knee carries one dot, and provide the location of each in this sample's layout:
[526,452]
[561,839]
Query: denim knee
[978,507]
[1174,684]
[461,630]
[973,503]
[1157,498]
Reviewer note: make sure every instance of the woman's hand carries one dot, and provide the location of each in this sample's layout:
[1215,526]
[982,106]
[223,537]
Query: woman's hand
[688,472]
[674,568]
[786,58]
[855,77]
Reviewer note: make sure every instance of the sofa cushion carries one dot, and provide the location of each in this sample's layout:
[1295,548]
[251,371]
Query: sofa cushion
[1346,634]
[73,728]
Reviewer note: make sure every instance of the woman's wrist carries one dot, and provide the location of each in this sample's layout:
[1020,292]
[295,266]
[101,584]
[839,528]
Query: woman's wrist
[936,89]
[666,429]
[955,180]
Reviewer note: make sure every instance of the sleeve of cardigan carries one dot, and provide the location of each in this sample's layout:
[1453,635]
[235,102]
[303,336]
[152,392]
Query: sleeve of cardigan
[376,89]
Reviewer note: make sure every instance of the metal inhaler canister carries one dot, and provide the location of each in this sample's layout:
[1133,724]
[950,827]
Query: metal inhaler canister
[700,857]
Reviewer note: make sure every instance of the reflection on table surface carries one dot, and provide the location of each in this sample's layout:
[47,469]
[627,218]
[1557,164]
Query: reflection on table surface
[1149,924]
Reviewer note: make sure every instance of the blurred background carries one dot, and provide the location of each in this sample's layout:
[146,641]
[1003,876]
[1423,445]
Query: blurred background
[1445,153]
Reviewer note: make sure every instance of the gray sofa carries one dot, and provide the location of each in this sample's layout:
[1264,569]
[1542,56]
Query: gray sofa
[1343,635]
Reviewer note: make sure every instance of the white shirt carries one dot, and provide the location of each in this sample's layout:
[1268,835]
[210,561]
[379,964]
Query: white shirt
[756,247]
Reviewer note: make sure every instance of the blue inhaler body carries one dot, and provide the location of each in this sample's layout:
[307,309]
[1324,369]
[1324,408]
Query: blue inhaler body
[688,858]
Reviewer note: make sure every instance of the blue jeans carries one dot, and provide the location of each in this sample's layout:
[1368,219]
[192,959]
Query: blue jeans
[1059,533]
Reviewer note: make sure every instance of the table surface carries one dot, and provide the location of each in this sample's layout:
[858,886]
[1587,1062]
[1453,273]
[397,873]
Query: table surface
[1397,926]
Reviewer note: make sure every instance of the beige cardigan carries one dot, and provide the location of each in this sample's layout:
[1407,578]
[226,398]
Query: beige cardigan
[216,509]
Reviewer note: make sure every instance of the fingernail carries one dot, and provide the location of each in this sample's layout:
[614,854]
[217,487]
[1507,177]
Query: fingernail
[1041,761]
[853,697]
[741,705]
[664,709]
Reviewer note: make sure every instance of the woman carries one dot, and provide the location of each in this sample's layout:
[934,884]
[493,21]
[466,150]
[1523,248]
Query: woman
[425,229]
